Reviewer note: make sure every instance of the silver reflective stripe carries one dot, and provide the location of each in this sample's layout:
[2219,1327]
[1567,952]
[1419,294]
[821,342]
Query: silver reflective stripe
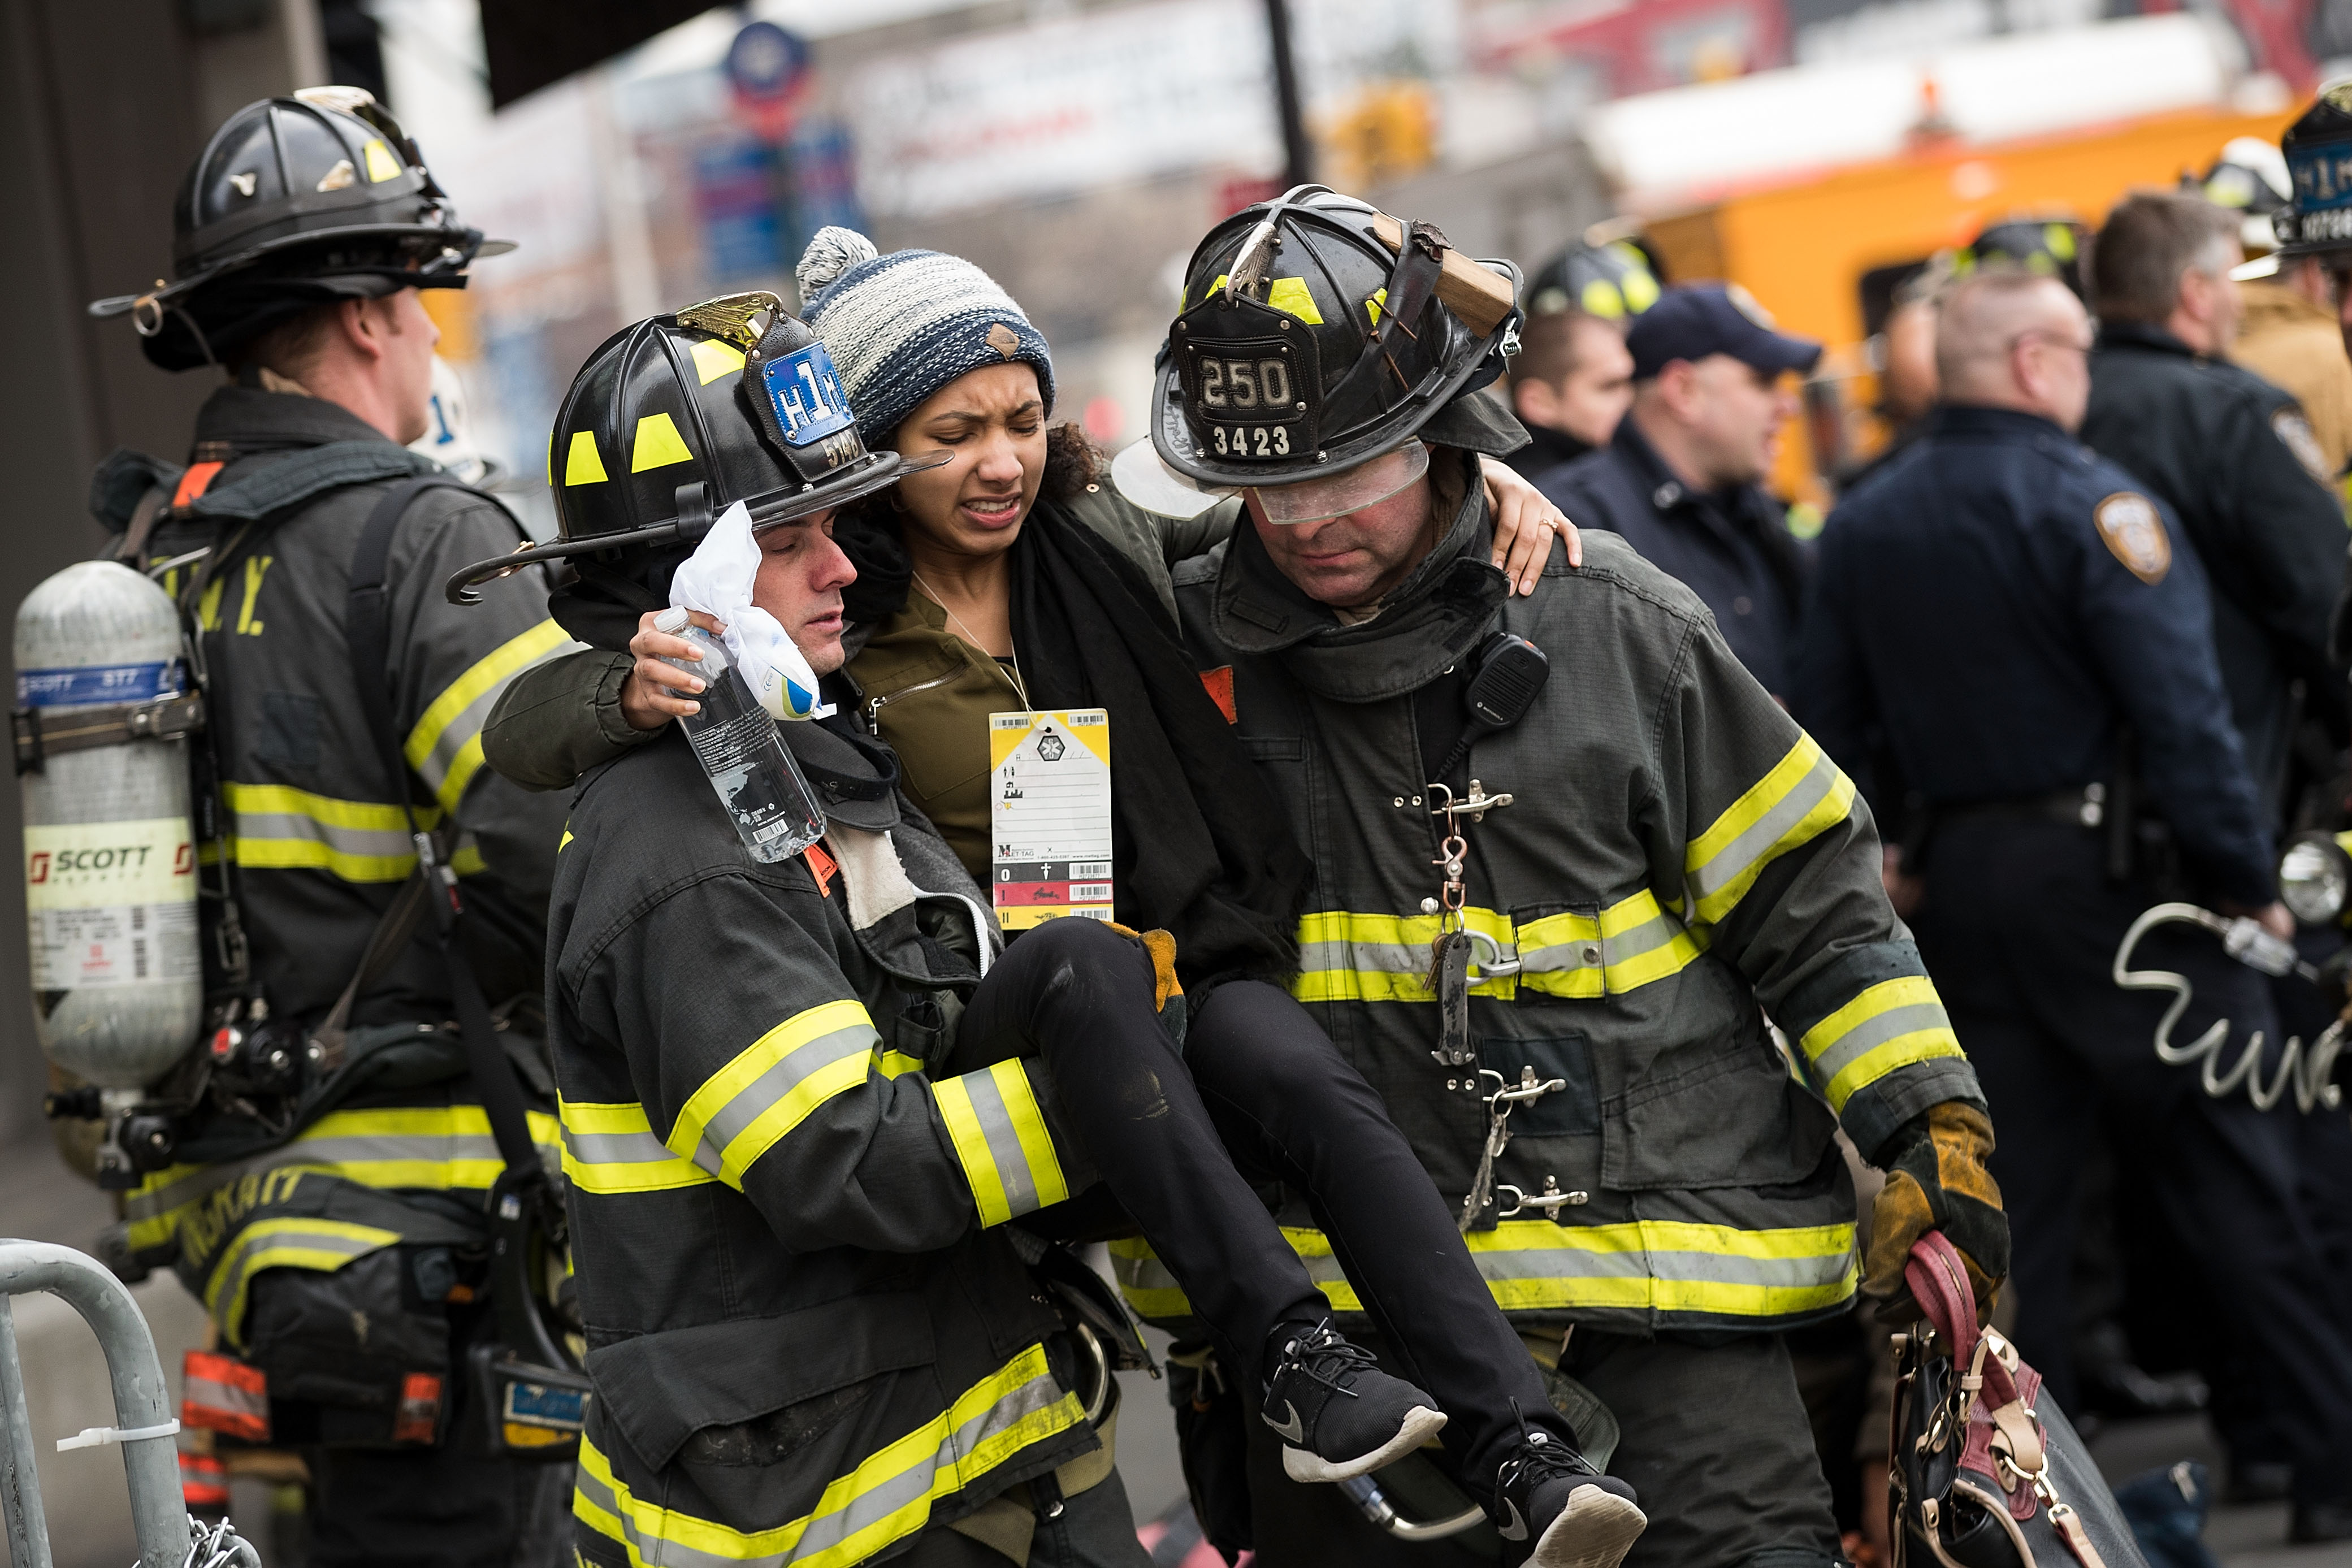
[1365,957]
[1004,1149]
[1765,832]
[630,1149]
[753,1100]
[369,843]
[1561,957]
[1872,1032]
[1726,1269]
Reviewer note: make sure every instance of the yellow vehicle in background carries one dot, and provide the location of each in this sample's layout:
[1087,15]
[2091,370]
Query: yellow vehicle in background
[1824,251]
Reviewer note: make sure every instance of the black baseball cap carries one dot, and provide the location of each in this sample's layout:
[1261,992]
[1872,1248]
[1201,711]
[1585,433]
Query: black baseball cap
[1692,320]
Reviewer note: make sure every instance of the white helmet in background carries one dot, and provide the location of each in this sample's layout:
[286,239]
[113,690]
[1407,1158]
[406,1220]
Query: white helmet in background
[448,437]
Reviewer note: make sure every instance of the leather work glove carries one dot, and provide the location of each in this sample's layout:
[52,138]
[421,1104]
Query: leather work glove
[1937,1179]
[1167,991]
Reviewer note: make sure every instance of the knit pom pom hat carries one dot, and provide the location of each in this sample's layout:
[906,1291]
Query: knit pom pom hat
[899,327]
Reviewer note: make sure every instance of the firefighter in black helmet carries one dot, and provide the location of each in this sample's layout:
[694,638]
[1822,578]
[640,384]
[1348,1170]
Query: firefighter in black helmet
[1547,915]
[2050,247]
[1572,378]
[330,1198]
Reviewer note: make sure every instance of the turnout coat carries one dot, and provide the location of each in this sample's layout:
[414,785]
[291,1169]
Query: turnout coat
[808,1338]
[1679,859]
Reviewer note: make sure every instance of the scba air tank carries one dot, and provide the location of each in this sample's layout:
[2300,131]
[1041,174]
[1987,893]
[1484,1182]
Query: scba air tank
[110,853]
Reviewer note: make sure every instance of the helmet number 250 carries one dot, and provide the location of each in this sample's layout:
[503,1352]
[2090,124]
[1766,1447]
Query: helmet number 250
[1244,383]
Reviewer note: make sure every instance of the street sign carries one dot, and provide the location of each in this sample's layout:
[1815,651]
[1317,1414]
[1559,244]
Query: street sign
[768,70]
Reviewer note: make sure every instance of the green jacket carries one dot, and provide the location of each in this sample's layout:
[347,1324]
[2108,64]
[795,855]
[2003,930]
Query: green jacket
[809,1338]
[1678,856]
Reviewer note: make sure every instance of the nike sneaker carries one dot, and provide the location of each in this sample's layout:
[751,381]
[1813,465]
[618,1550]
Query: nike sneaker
[1337,1413]
[1548,1494]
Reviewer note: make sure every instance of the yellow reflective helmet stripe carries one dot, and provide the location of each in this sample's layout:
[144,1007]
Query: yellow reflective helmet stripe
[657,445]
[1803,796]
[888,1496]
[445,746]
[714,358]
[613,1148]
[381,164]
[1653,1266]
[1350,957]
[583,464]
[292,1241]
[745,1108]
[1888,1026]
[1289,295]
[1001,1137]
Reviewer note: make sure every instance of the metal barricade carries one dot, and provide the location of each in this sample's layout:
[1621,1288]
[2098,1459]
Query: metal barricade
[145,1424]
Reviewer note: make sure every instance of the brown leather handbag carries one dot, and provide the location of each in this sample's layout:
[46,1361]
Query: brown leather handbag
[1980,1476]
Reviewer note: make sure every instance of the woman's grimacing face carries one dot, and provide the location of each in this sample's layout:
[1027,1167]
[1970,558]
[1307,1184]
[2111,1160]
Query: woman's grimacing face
[992,423]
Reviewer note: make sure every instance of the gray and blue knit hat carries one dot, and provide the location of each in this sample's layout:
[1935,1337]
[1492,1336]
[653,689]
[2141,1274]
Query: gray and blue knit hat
[899,327]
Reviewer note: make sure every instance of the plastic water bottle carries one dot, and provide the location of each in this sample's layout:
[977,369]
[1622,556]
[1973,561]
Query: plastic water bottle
[764,793]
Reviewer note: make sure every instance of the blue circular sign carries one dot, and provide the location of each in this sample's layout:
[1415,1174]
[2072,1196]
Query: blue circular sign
[766,62]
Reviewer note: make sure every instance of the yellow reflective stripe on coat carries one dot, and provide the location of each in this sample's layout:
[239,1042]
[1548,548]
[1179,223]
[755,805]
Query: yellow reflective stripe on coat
[1000,1135]
[427,1148]
[1658,1266]
[1633,942]
[291,1241]
[1890,1024]
[746,1107]
[886,1497]
[445,746]
[1346,957]
[1803,796]
[281,828]
[613,1148]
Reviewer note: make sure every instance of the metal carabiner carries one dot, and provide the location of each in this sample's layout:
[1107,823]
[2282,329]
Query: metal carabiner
[1492,960]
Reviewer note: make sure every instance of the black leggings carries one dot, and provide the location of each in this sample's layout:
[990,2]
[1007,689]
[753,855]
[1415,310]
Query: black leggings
[1259,1094]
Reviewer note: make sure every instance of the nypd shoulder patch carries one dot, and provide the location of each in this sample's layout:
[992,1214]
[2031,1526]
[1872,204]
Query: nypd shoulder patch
[2135,535]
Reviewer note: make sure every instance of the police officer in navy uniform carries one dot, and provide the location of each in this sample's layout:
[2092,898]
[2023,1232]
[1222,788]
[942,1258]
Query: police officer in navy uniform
[2003,606]
[1681,479]
[2230,454]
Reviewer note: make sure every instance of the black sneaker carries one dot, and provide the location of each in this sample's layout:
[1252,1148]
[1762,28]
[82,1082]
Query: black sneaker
[1338,1414]
[1548,1494]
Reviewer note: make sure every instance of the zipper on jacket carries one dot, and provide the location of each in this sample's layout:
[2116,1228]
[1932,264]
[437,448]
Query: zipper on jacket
[873,704]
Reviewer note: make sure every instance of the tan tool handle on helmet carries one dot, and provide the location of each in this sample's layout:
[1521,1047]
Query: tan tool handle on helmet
[1481,296]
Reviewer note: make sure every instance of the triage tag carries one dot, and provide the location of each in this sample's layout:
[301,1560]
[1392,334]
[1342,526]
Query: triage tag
[1049,815]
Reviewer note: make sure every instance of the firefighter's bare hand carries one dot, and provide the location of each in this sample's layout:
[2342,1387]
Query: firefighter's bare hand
[1524,525]
[657,691]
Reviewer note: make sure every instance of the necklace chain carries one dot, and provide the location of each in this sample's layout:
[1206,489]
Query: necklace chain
[1020,686]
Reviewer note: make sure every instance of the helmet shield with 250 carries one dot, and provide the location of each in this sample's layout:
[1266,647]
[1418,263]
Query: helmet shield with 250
[1313,339]
[678,418]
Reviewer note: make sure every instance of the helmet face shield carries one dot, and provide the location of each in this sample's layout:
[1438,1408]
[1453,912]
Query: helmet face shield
[1365,485]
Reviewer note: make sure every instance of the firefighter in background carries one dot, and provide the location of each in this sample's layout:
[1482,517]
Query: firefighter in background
[1572,379]
[1660,1196]
[334,1150]
[2287,333]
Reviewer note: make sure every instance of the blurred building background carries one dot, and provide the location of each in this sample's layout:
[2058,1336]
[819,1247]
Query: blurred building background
[1075,149]
[645,156]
